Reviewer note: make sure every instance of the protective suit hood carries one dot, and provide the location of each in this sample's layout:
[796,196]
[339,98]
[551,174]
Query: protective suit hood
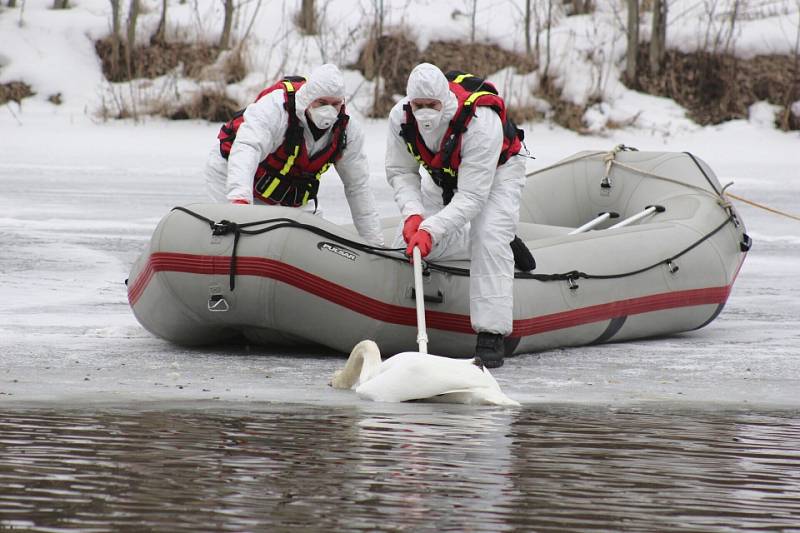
[326,80]
[427,81]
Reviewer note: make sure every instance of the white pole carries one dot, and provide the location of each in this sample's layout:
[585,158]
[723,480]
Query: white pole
[422,334]
[638,216]
[592,223]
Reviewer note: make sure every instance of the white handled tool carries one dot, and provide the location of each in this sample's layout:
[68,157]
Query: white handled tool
[422,333]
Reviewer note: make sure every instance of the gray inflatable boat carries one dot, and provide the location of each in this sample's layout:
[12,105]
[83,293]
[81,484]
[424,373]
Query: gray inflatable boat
[627,245]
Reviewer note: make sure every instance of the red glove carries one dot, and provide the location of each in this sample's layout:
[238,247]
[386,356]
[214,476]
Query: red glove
[240,201]
[410,226]
[422,240]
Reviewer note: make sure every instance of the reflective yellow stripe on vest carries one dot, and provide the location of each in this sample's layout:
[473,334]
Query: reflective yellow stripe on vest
[475,96]
[290,161]
[271,188]
[462,77]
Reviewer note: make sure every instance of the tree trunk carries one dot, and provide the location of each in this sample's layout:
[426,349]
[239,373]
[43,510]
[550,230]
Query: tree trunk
[633,40]
[658,36]
[133,16]
[545,76]
[528,28]
[472,21]
[116,9]
[225,38]
[160,35]
[12,3]
[308,17]
[60,4]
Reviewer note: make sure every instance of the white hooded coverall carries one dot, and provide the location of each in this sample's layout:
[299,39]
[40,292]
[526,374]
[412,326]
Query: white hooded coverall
[263,131]
[480,221]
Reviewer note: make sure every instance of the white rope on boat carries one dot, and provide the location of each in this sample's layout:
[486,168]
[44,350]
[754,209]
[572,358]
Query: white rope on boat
[609,159]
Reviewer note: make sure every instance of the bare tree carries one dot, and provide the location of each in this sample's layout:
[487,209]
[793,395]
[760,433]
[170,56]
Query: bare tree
[633,40]
[307,19]
[658,36]
[793,93]
[546,74]
[473,13]
[133,16]
[225,38]
[116,10]
[160,35]
[116,33]
[528,27]
[377,54]
[734,16]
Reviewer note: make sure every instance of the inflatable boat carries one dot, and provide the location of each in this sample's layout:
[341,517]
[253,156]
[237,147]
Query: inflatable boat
[627,245]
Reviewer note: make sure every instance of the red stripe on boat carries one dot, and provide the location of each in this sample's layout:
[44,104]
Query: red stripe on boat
[406,316]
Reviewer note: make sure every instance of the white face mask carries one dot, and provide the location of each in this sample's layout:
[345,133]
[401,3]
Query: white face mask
[323,116]
[427,118]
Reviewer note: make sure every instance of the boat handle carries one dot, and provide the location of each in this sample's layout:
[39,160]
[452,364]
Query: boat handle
[649,210]
[601,217]
[429,298]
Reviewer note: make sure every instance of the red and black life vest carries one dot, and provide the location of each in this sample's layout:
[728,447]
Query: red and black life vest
[471,92]
[289,176]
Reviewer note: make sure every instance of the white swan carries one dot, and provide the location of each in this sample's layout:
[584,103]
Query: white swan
[417,376]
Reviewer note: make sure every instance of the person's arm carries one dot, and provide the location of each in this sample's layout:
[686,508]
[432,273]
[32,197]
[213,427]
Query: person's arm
[480,150]
[353,169]
[402,170]
[263,130]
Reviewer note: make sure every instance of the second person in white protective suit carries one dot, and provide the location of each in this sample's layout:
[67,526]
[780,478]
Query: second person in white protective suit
[276,150]
[466,204]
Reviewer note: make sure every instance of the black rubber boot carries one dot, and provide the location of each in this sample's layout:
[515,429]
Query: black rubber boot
[490,349]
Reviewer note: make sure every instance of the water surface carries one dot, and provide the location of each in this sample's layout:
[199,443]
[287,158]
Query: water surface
[267,467]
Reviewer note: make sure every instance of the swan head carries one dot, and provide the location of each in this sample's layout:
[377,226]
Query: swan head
[361,365]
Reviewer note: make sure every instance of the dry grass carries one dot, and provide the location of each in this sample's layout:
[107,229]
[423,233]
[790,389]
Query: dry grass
[153,60]
[211,105]
[481,59]
[721,87]
[524,114]
[565,114]
[14,91]
[392,57]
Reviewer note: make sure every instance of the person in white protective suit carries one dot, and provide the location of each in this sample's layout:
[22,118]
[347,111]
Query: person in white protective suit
[276,150]
[471,213]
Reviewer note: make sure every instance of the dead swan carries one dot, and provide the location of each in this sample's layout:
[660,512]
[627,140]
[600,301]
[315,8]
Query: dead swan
[417,376]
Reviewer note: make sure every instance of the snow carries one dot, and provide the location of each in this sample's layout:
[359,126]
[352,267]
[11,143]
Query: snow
[80,198]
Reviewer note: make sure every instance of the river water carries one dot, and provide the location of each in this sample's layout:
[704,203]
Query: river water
[106,428]
[268,467]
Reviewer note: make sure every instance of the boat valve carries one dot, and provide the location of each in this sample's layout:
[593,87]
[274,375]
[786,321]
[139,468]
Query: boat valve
[572,285]
[673,268]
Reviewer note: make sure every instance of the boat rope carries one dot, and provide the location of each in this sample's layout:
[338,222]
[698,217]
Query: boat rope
[610,161]
[225,227]
[721,196]
[764,207]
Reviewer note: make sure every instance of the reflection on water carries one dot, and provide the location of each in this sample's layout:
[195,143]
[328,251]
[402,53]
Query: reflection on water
[411,467]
